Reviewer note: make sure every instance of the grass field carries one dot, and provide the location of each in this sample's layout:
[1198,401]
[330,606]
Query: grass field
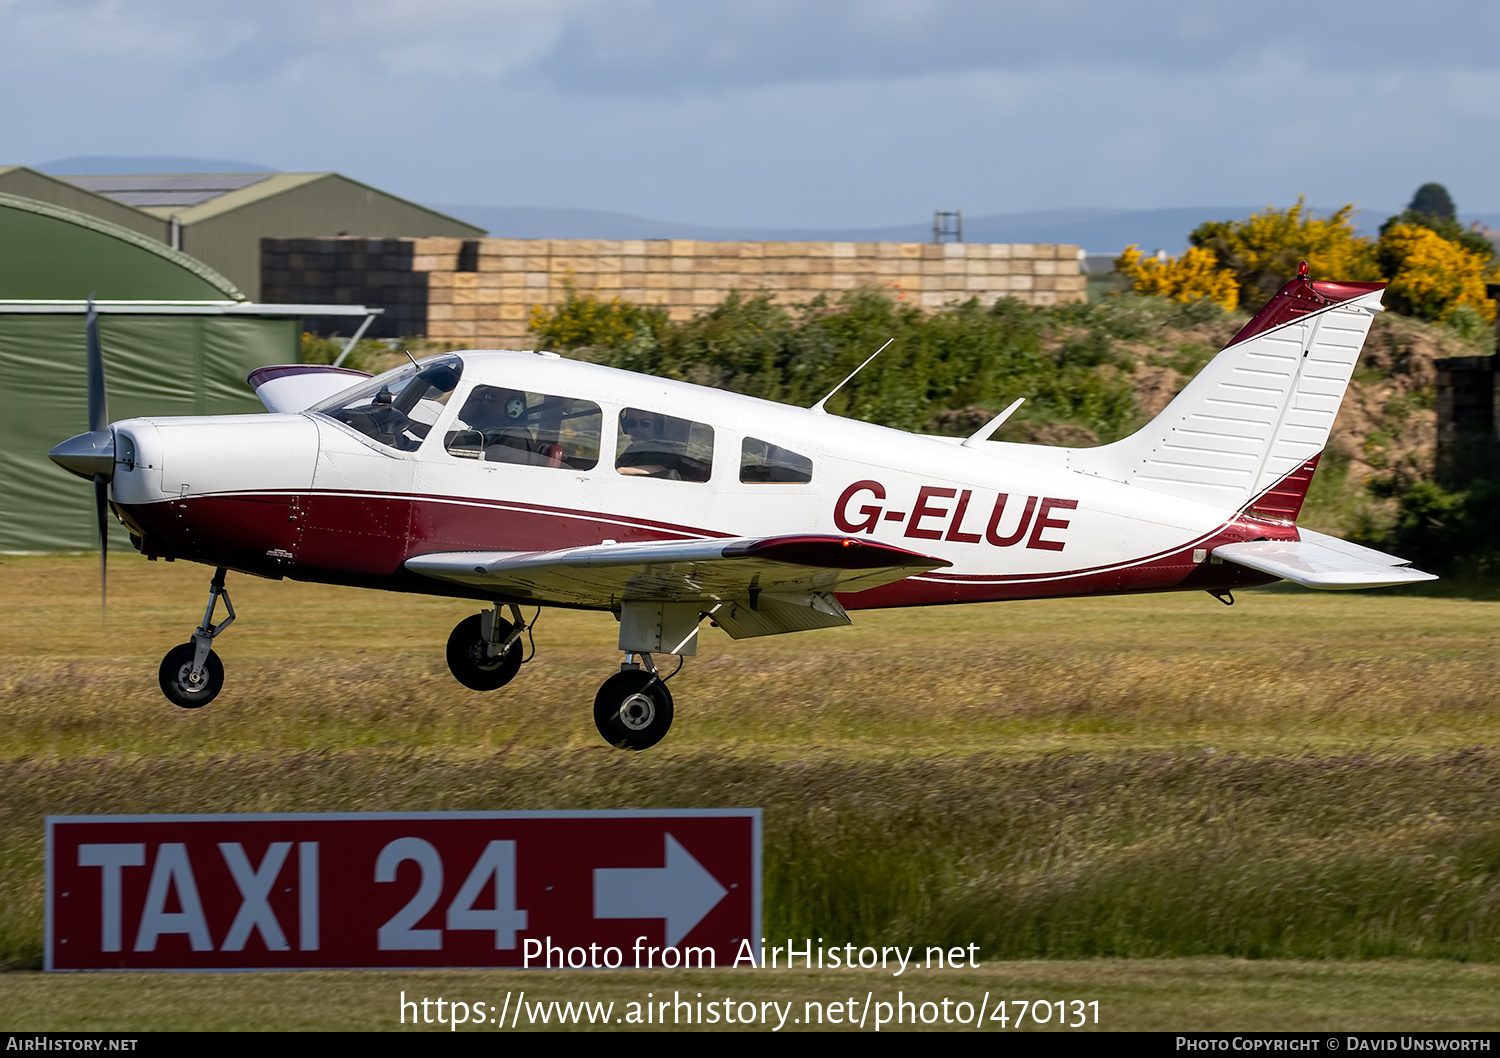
[1164,799]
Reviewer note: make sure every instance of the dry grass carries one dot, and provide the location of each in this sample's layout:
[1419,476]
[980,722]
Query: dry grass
[313,667]
[1301,775]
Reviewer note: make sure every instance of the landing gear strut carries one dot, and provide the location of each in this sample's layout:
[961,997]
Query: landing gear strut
[484,651]
[633,710]
[192,675]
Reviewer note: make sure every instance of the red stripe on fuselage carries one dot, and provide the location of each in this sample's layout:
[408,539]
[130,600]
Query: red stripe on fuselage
[364,539]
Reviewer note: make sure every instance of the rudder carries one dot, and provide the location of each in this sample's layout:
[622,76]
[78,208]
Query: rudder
[1249,427]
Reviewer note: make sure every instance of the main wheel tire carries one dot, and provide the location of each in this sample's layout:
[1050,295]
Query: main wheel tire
[469,663]
[176,677]
[633,710]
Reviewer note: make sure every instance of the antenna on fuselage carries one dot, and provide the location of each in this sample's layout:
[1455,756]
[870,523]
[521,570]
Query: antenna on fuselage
[818,407]
[981,435]
[411,358]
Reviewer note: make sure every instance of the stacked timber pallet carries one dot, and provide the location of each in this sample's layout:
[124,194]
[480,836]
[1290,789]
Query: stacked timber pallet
[484,291]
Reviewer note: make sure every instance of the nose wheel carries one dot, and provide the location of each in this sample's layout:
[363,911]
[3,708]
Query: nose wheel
[191,675]
[633,710]
[484,651]
[188,682]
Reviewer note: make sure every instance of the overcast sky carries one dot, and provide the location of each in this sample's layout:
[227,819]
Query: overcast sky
[781,113]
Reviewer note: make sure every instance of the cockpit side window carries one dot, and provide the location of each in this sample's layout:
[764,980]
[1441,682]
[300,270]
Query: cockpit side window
[653,445]
[763,463]
[503,425]
[399,408]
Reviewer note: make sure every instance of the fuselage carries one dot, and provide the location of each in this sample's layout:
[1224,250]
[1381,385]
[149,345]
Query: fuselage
[313,497]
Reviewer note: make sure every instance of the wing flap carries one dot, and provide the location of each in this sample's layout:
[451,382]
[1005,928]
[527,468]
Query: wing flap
[776,614]
[1326,562]
[709,571]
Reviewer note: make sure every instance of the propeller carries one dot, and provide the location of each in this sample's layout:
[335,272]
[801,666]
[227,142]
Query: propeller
[92,455]
[99,421]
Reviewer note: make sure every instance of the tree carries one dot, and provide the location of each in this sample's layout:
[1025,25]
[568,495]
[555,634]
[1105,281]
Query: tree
[1262,251]
[1432,208]
[1433,200]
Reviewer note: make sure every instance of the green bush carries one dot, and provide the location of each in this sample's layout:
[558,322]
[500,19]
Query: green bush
[964,356]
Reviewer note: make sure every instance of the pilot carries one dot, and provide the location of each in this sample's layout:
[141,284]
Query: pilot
[641,442]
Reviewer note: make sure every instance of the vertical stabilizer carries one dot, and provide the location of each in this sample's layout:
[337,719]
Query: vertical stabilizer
[1248,429]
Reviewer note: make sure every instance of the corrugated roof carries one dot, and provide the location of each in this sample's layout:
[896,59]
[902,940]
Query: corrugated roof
[166,190]
[196,197]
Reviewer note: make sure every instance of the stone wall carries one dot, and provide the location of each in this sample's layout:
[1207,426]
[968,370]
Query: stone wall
[483,291]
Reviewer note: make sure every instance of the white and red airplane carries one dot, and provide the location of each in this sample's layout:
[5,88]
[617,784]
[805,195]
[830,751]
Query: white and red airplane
[523,478]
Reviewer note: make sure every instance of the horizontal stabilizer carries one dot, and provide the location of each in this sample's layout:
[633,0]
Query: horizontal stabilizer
[297,387]
[705,571]
[1319,561]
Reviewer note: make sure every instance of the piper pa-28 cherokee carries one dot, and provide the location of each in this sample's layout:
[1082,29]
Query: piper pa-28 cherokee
[525,479]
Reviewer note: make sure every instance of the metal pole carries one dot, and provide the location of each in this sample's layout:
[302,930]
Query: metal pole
[357,336]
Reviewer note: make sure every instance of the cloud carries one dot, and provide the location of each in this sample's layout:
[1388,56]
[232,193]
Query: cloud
[673,45]
[773,112]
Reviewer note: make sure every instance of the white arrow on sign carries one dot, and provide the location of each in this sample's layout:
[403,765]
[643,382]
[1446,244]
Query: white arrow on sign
[682,892]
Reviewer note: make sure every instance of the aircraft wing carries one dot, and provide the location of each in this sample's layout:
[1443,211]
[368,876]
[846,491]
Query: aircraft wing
[706,571]
[1319,561]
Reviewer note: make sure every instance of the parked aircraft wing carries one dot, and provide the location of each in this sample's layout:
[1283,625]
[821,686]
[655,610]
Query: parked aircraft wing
[1319,561]
[680,570]
[296,387]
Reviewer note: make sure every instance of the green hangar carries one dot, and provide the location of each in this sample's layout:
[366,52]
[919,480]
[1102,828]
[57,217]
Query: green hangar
[178,339]
[220,218]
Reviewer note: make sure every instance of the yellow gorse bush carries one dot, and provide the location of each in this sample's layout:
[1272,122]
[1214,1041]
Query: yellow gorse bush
[584,319]
[1247,261]
[1262,251]
[1431,276]
[1194,275]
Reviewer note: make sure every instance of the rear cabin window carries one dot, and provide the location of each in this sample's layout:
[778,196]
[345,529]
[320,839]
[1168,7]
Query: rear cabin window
[502,425]
[399,408]
[762,463]
[652,445]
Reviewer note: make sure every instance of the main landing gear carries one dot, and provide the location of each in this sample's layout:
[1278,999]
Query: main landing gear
[192,675]
[484,651]
[633,710]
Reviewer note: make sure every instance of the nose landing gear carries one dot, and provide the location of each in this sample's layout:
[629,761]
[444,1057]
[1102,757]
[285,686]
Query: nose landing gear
[191,674]
[484,651]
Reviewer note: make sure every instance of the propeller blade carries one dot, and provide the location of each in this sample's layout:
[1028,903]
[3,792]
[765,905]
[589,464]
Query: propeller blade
[99,420]
[98,405]
[101,511]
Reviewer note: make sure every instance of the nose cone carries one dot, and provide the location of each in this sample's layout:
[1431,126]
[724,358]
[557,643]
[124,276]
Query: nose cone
[87,454]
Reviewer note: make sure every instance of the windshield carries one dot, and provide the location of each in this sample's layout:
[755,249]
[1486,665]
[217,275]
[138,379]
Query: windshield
[399,408]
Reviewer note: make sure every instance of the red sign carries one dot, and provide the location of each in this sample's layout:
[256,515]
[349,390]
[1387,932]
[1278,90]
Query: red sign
[560,889]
